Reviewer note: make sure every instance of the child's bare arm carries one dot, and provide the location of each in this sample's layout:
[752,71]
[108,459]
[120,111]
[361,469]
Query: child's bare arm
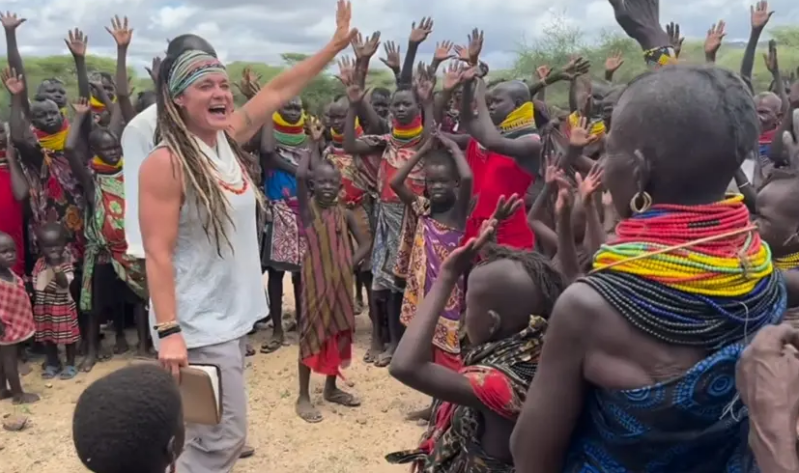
[397,182]
[465,176]
[567,251]
[364,246]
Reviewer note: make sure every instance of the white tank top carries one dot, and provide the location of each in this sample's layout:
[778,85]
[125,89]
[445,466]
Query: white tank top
[219,299]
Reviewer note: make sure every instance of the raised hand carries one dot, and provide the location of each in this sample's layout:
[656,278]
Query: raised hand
[10,21]
[344,34]
[365,49]
[772,64]
[760,15]
[346,70]
[317,129]
[154,68]
[714,36]
[673,30]
[443,51]
[392,60]
[82,106]
[14,82]
[469,73]
[588,185]
[614,62]
[580,136]
[565,199]
[471,53]
[542,72]
[506,207]
[420,33]
[576,67]
[462,257]
[355,93]
[77,42]
[452,75]
[425,82]
[120,31]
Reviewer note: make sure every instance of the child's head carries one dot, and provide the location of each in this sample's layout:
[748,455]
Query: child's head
[52,241]
[440,178]
[326,183]
[8,251]
[130,421]
[505,289]
[778,212]
[105,145]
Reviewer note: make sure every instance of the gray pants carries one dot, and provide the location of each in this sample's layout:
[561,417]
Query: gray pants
[215,449]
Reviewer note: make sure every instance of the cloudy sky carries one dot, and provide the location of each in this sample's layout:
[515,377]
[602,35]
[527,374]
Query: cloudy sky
[259,30]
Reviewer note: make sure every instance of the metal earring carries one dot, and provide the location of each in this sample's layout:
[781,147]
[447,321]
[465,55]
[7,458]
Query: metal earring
[641,202]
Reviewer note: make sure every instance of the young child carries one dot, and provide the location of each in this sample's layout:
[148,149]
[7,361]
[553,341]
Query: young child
[54,309]
[441,218]
[327,318]
[509,295]
[130,421]
[16,323]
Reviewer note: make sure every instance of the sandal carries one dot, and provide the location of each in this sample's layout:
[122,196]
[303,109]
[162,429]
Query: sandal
[50,372]
[68,373]
[383,360]
[342,398]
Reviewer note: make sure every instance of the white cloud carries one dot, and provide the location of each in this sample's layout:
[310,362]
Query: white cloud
[260,30]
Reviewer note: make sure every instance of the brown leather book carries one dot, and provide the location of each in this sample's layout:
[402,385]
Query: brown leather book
[201,392]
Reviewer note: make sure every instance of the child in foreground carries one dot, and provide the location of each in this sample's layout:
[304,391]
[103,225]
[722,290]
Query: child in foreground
[130,421]
[327,317]
[509,296]
[16,323]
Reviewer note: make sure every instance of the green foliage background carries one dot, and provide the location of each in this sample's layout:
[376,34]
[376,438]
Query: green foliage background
[558,43]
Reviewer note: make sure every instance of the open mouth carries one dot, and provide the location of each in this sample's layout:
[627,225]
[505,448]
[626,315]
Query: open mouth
[219,110]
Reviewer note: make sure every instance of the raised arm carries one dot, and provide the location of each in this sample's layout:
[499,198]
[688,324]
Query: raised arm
[247,120]
[588,186]
[640,20]
[19,123]
[417,37]
[397,182]
[713,41]
[76,148]
[122,35]
[567,250]
[392,59]
[77,42]
[760,15]
[351,143]
[19,184]
[10,23]
[465,178]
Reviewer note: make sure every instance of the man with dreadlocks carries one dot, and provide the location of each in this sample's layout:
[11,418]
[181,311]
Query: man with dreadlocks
[505,321]
[197,212]
[638,371]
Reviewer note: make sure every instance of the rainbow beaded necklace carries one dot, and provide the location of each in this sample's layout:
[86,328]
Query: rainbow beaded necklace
[691,275]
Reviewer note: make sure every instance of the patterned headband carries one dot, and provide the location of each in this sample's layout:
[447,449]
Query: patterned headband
[190,67]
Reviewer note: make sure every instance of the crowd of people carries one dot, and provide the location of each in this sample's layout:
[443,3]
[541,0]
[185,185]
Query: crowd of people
[605,287]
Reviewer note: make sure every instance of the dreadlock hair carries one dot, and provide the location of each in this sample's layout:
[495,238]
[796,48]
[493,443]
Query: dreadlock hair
[213,207]
[124,422]
[546,279]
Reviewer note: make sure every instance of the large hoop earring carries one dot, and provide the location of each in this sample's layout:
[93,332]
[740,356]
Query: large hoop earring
[641,202]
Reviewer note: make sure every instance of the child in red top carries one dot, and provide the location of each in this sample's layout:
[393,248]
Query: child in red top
[16,323]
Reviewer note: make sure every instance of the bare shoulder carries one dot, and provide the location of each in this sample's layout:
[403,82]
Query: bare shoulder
[576,310]
[160,170]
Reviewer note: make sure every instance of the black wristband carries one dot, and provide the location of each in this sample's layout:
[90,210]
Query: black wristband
[170,331]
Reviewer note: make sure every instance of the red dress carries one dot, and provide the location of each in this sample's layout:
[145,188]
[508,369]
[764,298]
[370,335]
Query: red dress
[495,176]
[11,217]
[15,312]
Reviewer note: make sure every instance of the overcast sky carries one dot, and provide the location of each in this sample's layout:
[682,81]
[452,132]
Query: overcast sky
[259,30]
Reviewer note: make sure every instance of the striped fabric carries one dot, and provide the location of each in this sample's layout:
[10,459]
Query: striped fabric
[327,307]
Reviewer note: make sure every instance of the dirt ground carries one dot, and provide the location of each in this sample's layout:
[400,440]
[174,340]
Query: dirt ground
[347,441]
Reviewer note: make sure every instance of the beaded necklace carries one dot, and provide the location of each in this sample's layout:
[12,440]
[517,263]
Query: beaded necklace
[338,138]
[522,117]
[101,167]
[407,135]
[289,134]
[787,262]
[691,275]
